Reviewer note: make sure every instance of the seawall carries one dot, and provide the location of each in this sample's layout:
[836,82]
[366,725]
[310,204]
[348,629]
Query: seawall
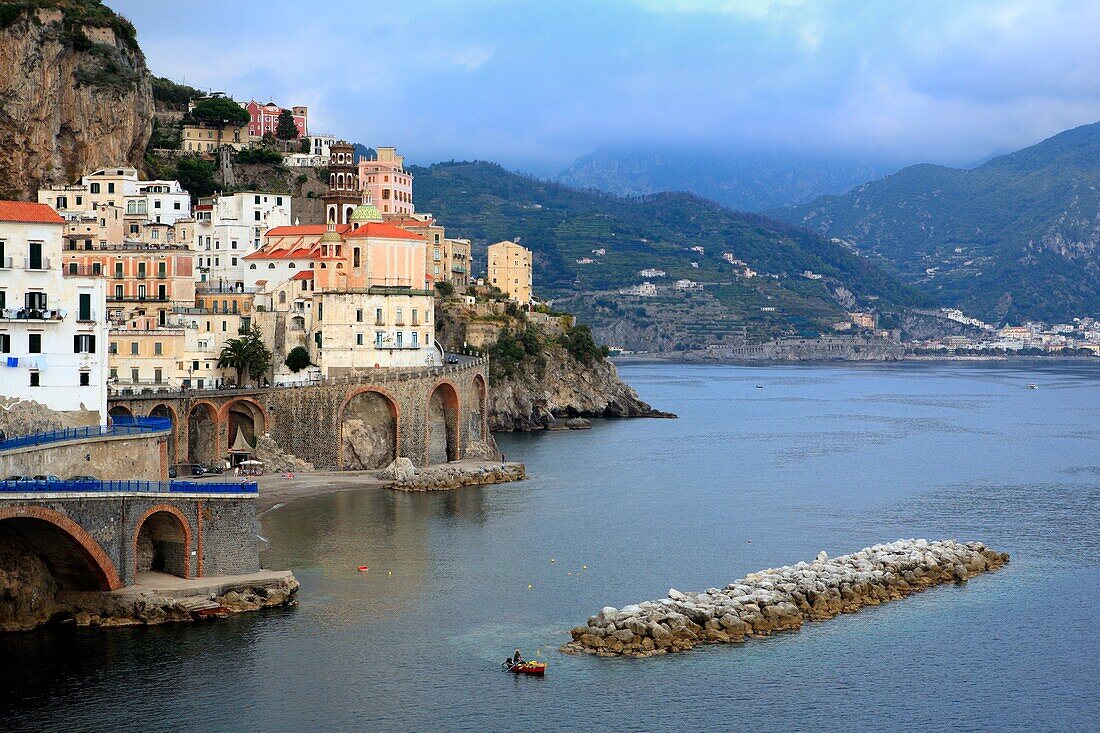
[781,599]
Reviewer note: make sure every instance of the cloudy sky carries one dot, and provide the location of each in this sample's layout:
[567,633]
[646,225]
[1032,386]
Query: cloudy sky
[535,84]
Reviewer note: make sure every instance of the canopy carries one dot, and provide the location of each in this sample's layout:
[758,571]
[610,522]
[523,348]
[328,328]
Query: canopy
[240,445]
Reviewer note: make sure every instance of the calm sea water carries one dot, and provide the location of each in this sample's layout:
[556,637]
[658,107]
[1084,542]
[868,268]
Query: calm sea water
[832,458]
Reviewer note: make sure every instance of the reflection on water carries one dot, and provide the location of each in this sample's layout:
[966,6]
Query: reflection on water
[831,458]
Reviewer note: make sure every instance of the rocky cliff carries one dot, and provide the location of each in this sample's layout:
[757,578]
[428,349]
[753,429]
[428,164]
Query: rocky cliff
[566,388]
[75,94]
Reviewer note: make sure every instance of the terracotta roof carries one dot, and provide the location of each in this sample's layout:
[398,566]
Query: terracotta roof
[305,229]
[383,230]
[303,275]
[29,212]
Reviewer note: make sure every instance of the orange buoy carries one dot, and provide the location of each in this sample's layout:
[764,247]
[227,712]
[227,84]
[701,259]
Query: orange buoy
[363,568]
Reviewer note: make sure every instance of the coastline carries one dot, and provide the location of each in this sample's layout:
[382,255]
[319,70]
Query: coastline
[279,489]
[677,357]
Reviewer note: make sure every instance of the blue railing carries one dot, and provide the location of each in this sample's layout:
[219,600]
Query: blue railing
[132,487]
[119,426]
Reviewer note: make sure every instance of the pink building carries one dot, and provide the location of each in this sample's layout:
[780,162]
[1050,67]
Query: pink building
[390,185]
[265,118]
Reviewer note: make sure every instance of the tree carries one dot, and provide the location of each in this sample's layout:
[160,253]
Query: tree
[444,289]
[286,129]
[220,110]
[195,175]
[297,359]
[248,354]
[235,355]
[304,145]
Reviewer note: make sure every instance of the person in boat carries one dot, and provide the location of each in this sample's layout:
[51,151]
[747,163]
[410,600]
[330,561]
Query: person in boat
[517,659]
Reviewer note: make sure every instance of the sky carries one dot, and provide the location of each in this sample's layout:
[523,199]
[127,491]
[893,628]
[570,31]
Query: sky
[533,85]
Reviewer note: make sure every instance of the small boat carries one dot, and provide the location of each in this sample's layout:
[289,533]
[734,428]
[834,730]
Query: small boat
[1032,385]
[362,568]
[536,668]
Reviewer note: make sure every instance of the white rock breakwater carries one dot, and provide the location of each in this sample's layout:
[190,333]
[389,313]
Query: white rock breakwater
[781,599]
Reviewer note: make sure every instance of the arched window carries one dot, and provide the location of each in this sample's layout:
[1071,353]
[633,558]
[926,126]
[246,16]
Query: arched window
[355,259]
[271,265]
[282,297]
[291,266]
[252,266]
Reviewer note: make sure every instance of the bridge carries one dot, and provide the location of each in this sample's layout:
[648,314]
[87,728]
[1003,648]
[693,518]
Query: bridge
[98,535]
[429,415]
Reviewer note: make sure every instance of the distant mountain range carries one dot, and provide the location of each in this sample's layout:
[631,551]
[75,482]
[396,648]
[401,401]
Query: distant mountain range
[1015,238]
[752,181]
[588,244]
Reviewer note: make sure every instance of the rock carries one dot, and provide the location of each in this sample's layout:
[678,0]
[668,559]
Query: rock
[781,599]
[400,470]
[578,423]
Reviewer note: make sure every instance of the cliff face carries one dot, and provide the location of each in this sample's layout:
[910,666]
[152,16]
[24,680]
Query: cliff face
[73,97]
[567,388]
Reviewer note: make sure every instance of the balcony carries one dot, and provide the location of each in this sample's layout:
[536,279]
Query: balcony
[42,263]
[5,263]
[156,298]
[222,287]
[31,314]
[89,317]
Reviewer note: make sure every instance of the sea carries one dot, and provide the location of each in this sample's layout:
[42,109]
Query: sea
[765,466]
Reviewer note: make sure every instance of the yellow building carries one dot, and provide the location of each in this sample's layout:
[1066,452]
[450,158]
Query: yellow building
[206,138]
[509,268]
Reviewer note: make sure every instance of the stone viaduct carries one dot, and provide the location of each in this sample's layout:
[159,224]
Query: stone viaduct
[101,540]
[428,415]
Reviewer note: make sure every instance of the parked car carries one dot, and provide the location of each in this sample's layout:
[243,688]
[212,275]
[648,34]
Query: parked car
[49,479]
[84,479]
[20,479]
[172,473]
[452,359]
[198,470]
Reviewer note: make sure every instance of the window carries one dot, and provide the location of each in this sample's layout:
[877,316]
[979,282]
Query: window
[35,380]
[83,344]
[176,206]
[34,343]
[94,188]
[358,315]
[378,315]
[156,205]
[415,338]
[5,343]
[110,188]
[358,339]
[34,261]
[416,320]
[256,215]
[85,379]
[252,266]
[135,376]
[112,348]
[158,348]
[378,339]
[118,292]
[133,348]
[233,244]
[400,336]
[97,268]
[158,376]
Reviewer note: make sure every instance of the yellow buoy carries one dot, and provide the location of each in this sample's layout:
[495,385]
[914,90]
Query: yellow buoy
[389,573]
[569,573]
[529,586]
[552,560]
[584,567]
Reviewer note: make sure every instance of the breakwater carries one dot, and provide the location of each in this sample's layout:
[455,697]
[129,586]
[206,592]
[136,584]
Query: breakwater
[781,599]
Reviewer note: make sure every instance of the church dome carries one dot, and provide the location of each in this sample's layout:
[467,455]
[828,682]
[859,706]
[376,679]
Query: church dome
[365,213]
[331,235]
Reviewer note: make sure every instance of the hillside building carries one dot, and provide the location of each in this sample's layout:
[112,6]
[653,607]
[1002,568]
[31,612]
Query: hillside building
[53,332]
[509,268]
[389,184]
[229,227]
[264,119]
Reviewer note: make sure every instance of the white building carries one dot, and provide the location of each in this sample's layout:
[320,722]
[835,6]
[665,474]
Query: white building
[53,329]
[163,202]
[651,272]
[321,144]
[158,201]
[229,227]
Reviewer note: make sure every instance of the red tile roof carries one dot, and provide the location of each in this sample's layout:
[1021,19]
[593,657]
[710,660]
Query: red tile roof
[305,229]
[28,212]
[303,275]
[382,230]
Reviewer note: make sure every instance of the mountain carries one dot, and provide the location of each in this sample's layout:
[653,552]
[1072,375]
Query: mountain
[76,94]
[1010,240]
[752,181]
[566,229]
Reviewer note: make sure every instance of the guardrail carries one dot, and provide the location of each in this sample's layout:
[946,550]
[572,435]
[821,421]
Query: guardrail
[132,487]
[119,426]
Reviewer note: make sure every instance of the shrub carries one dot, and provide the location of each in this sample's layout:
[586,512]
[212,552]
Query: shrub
[220,110]
[444,289]
[258,155]
[297,359]
[579,343]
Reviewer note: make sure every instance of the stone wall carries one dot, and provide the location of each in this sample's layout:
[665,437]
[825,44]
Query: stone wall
[108,457]
[310,422]
[97,538]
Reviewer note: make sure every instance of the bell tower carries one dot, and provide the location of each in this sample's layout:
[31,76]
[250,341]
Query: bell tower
[343,184]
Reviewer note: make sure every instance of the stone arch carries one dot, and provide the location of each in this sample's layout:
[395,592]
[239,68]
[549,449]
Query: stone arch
[246,415]
[162,542]
[202,433]
[119,411]
[442,424]
[162,409]
[370,429]
[73,557]
[479,416]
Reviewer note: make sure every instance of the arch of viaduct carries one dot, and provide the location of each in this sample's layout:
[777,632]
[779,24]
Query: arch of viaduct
[426,415]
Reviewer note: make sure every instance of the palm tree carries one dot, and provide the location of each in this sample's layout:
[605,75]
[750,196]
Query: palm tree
[236,354]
